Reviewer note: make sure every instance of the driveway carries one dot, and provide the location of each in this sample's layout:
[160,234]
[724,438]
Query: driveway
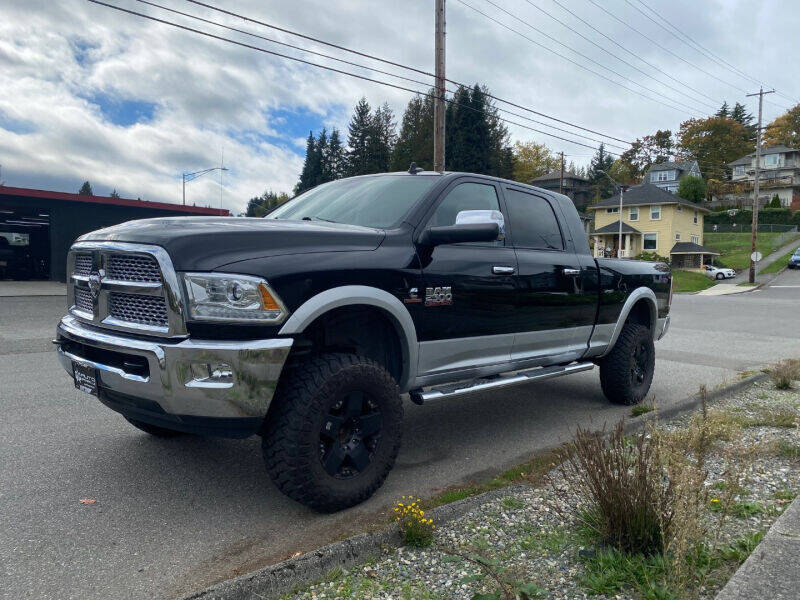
[175,515]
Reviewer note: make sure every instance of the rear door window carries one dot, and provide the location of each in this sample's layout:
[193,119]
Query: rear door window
[533,222]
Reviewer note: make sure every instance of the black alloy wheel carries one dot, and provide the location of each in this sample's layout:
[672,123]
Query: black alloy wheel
[350,435]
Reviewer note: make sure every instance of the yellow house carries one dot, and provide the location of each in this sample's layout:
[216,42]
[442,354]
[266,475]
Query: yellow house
[653,220]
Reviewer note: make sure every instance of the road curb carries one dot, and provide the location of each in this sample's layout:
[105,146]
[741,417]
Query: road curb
[310,567]
[771,569]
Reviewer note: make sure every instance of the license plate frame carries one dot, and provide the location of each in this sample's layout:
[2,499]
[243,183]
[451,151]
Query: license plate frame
[85,378]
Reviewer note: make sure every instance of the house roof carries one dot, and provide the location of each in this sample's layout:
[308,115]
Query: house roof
[46,194]
[780,149]
[557,175]
[646,194]
[691,248]
[614,228]
[684,165]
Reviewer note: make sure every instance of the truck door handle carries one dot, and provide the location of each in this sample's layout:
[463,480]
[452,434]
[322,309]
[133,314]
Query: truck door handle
[502,270]
[571,272]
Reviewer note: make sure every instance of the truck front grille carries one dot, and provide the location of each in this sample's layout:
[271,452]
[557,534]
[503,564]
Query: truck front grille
[133,267]
[125,286]
[83,300]
[83,265]
[134,308]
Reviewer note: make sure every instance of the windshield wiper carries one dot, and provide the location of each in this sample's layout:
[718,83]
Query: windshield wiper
[318,219]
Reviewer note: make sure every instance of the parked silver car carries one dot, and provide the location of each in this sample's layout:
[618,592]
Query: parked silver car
[718,273]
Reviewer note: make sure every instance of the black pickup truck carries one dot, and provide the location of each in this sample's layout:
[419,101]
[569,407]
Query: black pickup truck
[306,326]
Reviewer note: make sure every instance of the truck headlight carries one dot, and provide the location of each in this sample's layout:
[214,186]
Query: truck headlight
[224,297]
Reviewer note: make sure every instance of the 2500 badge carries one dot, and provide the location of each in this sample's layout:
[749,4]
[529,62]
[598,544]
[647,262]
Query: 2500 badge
[438,296]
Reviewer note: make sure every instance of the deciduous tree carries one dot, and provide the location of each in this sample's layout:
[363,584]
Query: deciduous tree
[692,189]
[784,129]
[714,142]
[532,159]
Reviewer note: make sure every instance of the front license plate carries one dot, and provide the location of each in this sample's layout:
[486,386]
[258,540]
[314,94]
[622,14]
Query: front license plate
[85,378]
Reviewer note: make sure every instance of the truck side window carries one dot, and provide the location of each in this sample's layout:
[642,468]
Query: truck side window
[533,222]
[466,196]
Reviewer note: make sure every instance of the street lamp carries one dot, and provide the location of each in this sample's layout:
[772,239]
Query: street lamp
[622,189]
[195,175]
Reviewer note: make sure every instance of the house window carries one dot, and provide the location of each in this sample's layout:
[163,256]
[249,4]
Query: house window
[771,160]
[677,236]
[695,239]
[679,208]
[663,176]
[738,170]
[655,213]
[695,217]
[612,210]
[650,241]
[633,213]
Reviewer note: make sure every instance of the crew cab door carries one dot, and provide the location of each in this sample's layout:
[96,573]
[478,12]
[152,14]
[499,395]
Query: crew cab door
[555,313]
[468,300]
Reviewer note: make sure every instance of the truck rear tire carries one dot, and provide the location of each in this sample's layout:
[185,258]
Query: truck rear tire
[154,430]
[333,431]
[627,371]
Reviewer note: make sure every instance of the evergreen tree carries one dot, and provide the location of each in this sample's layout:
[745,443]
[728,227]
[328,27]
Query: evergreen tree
[86,189]
[358,133]
[333,160]
[724,111]
[600,165]
[381,139]
[692,189]
[307,175]
[320,154]
[114,193]
[740,115]
[266,203]
[415,142]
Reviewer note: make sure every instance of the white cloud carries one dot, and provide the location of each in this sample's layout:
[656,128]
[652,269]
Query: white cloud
[212,97]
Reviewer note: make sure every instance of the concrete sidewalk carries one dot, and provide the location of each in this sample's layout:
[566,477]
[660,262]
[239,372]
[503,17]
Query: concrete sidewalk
[772,571]
[32,288]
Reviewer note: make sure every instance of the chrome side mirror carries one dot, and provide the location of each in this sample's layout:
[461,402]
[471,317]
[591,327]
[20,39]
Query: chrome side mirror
[476,217]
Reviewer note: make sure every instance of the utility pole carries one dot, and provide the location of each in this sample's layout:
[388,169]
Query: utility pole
[754,234]
[561,179]
[619,246]
[438,101]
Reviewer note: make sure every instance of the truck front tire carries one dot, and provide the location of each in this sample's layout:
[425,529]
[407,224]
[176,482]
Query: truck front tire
[333,431]
[627,371]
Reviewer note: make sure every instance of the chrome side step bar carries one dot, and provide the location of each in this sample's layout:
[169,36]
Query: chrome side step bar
[481,384]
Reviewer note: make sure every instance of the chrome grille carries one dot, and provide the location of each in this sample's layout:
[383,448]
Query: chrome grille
[83,265]
[134,308]
[83,299]
[133,267]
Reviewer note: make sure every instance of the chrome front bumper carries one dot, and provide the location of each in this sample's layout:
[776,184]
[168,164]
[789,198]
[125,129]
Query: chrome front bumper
[183,380]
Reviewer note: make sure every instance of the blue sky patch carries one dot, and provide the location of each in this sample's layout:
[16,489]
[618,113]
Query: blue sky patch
[123,112]
[15,125]
[81,49]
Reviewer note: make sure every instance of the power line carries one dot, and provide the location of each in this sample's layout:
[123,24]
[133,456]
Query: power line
[661,25]
[328,68]
[655,43]
[395,64]
[622,60]
[242,31]
[274,41]
[577,64]
[649,64]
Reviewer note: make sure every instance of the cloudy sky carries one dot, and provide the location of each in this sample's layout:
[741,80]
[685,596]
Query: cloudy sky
[129,104]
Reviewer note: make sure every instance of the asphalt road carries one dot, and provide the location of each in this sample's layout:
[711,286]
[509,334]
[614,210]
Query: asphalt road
[175,515]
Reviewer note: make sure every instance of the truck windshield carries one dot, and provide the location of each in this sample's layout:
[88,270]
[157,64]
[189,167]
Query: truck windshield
[379,201]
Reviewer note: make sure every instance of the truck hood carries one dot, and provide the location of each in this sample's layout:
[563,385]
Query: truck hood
[207,243]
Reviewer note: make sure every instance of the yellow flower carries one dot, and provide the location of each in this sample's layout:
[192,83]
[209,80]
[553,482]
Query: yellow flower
[715,500]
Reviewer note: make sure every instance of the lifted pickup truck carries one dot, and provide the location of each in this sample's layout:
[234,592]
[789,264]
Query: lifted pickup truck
[304,327]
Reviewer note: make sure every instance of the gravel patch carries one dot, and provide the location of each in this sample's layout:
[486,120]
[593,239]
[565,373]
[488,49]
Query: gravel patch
[530,534]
